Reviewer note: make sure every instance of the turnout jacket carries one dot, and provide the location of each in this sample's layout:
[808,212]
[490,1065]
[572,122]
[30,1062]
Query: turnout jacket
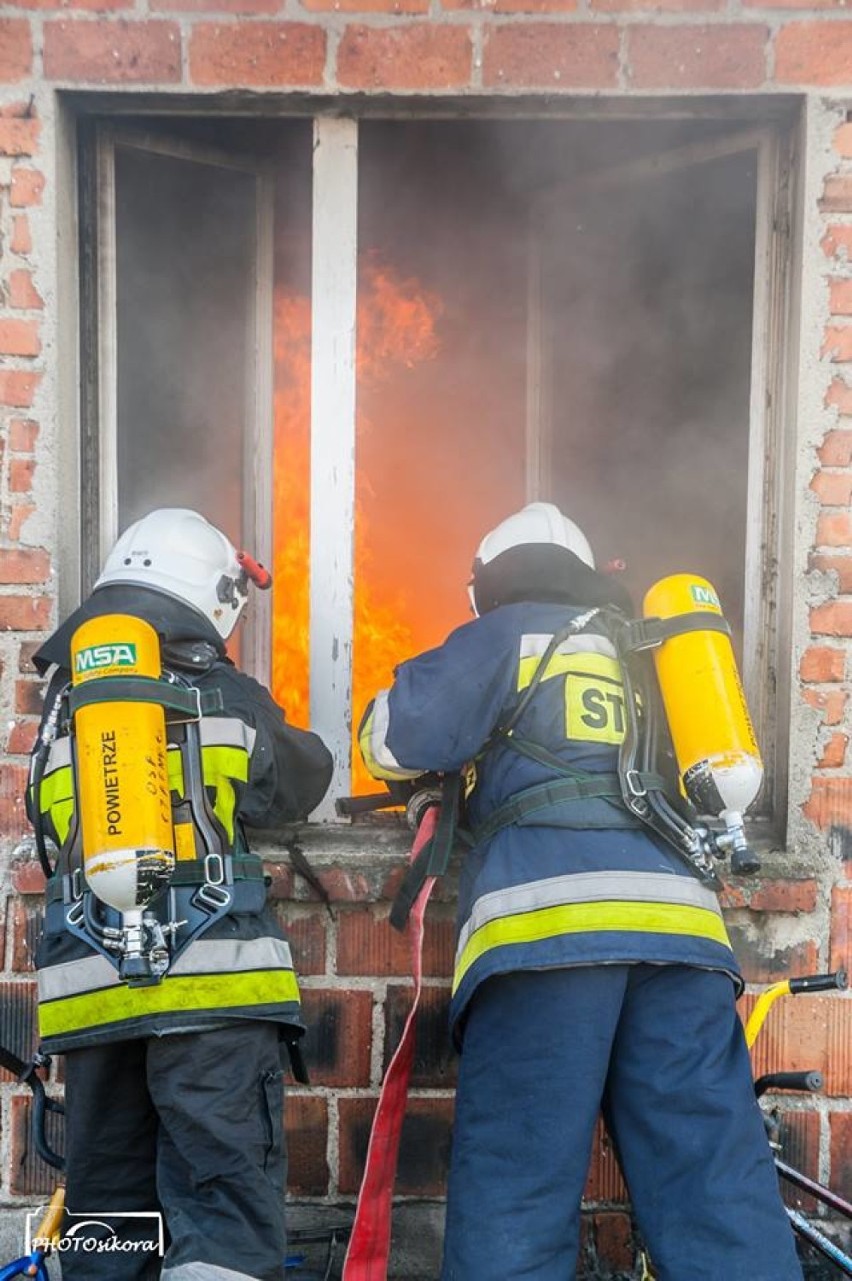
[258,771]
[575,883]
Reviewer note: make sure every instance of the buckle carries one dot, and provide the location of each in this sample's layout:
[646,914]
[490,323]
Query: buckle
[212,861]
[634,783]
[213,895]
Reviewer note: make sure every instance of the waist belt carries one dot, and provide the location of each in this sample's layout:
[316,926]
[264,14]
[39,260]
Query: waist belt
[190,871]
[525,805]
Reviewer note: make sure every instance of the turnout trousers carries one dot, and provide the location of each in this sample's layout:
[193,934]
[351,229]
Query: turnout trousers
[660,1050]
[188,1126]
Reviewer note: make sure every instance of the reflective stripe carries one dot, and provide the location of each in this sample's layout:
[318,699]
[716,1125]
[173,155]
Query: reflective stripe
[534,644]
[589,902]
[378,757]
[59,755]
[208,992]
[206,956]
[219,765]
[227,731]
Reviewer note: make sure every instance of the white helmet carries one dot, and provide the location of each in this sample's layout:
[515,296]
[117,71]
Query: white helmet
[526,551]
[177,552]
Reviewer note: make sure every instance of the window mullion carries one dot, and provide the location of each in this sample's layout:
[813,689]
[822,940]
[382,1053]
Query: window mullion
[335,246]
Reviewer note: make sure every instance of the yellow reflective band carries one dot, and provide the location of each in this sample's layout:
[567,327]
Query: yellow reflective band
[174,766]
[208,992]
[587,664]
[57,799]
[590,918]
[220,765]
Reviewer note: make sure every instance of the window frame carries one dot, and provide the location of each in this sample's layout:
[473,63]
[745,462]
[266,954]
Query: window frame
[769,592]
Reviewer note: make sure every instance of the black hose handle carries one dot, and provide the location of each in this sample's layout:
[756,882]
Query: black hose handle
[837,981]
[810,1082]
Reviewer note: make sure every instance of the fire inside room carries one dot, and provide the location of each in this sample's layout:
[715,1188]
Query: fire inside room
[556,309]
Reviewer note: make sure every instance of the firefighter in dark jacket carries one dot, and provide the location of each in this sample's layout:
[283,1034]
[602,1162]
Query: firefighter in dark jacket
[593,970]
[174,1089]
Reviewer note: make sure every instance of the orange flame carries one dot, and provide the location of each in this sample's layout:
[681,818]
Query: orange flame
[396,323]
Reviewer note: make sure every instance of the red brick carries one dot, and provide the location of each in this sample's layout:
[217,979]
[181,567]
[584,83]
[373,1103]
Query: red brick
[657,6]
[19,514]
[843,139]
[307,938]
[804,1033]
[839,565]
[21,241]
[17,1018]
[830,802]
[604,1181]
[22,737]
[257,53]
[13,816]
[834,529]
[822,663]
[24,923]
[30,1175]
[832,703]
[841,927]
[216,6]
[26,650]
[368,6]
[814,53]
[119,52]
[514,6]
[840,297]
[16,49]
[367,945]
[27,187]
[836,448]
[28,697]
[840,1178]
[435,1063]
[423,1151]
[24,565]
[798,1137]
[417,56]
[834,752]
[281,879]
[24,613]
[338,1042]
[834,489]
[608,1242]
[27,876]
[730,56]
[23,295]
[18,387]
[762,961]
[772,896]
[837,194]
[23,433]
[21,475]
[19,137]
[19,338]
[96,6]
[306,1124]
[556,57]
[837,242]
[832,619]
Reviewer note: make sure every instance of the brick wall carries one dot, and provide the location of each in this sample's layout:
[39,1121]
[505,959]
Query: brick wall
[796,917]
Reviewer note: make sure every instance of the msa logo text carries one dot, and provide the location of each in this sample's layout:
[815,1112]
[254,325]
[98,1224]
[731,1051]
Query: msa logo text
[96,656]
[704,596]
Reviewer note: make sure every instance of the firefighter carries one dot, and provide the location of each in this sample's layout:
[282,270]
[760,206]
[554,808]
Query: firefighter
[593,971]
[174,1088]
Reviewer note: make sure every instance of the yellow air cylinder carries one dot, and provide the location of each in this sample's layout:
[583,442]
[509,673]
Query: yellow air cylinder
[122,777]
[712,734]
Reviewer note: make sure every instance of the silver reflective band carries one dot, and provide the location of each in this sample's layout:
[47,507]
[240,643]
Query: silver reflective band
[588,887]
[213,956]
[534,644]
[204,1272]
[227,731]
[379,750]
[59,755]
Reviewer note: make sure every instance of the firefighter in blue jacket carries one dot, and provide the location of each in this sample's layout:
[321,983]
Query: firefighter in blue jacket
[174,1093]
[593,971]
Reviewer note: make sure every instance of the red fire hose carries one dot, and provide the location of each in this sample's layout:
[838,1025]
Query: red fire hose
[369,1244]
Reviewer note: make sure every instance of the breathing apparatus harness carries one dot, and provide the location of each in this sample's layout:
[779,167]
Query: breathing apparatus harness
[638,793]
[199,890]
